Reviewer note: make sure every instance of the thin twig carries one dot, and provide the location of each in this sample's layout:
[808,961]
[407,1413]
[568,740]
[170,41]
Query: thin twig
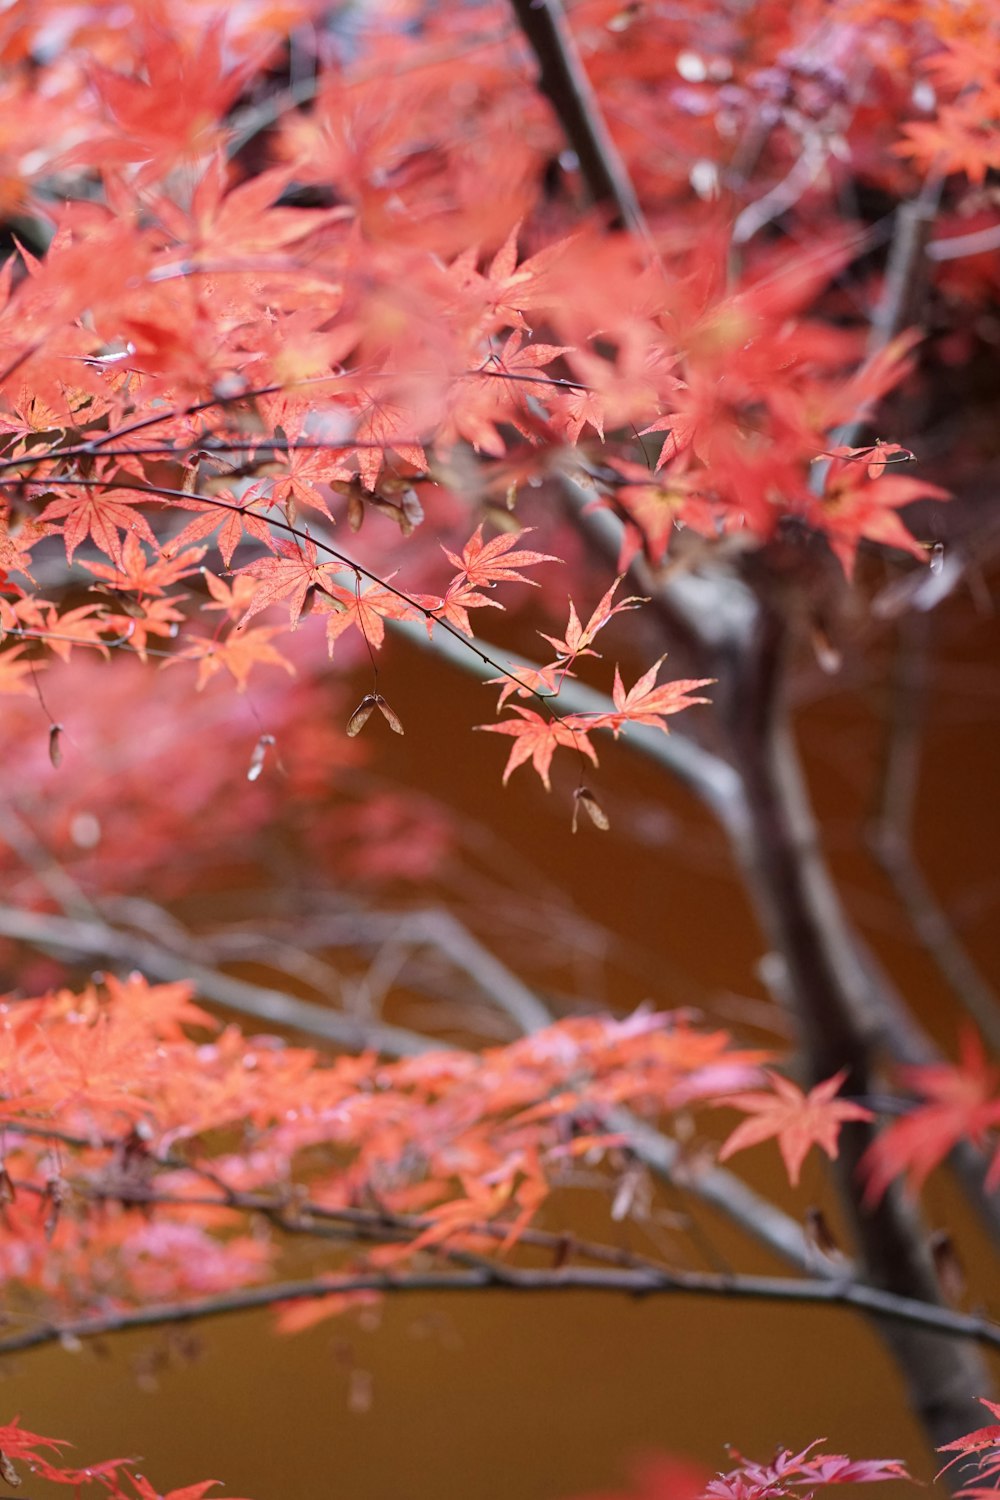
[890,832]
[97,939]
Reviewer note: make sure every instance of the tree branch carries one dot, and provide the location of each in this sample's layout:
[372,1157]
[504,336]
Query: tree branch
[564,82]
[828,989]
[754,1214]
[646,1282]
[890,833]
[97,939]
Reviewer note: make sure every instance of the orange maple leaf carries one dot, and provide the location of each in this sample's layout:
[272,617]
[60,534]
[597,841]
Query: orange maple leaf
[367,612]
[101,515]
[223,513]
[241,219]
[13,672]
[288,577]
[536,739]
[136,574]
[797,1120]
[578,638]
[164,1008]
[645,703]
[483,564]
[83,626]
[963,138]
[239,653]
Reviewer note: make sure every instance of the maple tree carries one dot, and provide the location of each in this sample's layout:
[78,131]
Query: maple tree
[281,383]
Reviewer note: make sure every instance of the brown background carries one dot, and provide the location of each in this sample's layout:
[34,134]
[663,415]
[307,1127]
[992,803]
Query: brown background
[491,1397]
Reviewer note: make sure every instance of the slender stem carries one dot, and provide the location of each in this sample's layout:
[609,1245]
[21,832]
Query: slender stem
[78,936]
[890,832]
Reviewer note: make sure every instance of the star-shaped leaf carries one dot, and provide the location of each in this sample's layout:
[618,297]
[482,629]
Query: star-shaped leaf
[797,1120]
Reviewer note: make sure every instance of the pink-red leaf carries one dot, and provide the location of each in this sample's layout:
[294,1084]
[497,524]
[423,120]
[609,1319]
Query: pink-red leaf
[796,1119]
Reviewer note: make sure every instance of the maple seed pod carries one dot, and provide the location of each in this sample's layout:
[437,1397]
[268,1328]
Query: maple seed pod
[359,718]
[947,1266]
[585,798]
[55,744]
[828,656]
[388,714]
[355,511]
[819,1233]
[259,756]
[369,703]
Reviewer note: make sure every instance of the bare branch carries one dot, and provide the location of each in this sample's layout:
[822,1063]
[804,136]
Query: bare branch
[890,834]
[645,1282]
[96,939]
[829,989]
[564,82]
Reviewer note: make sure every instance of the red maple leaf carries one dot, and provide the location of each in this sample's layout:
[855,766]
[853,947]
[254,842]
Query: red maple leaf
[788,1473]
[797,1120]
[386,421]
[526,682]
[655,508]
[981,1441]
[855,506]
[170,110]
[522,363]
[18,1443]
[961,1102]
[454,608]
[506,289]
[145,1490]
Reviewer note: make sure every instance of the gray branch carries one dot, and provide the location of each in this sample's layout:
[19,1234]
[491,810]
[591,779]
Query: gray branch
[651,1282]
